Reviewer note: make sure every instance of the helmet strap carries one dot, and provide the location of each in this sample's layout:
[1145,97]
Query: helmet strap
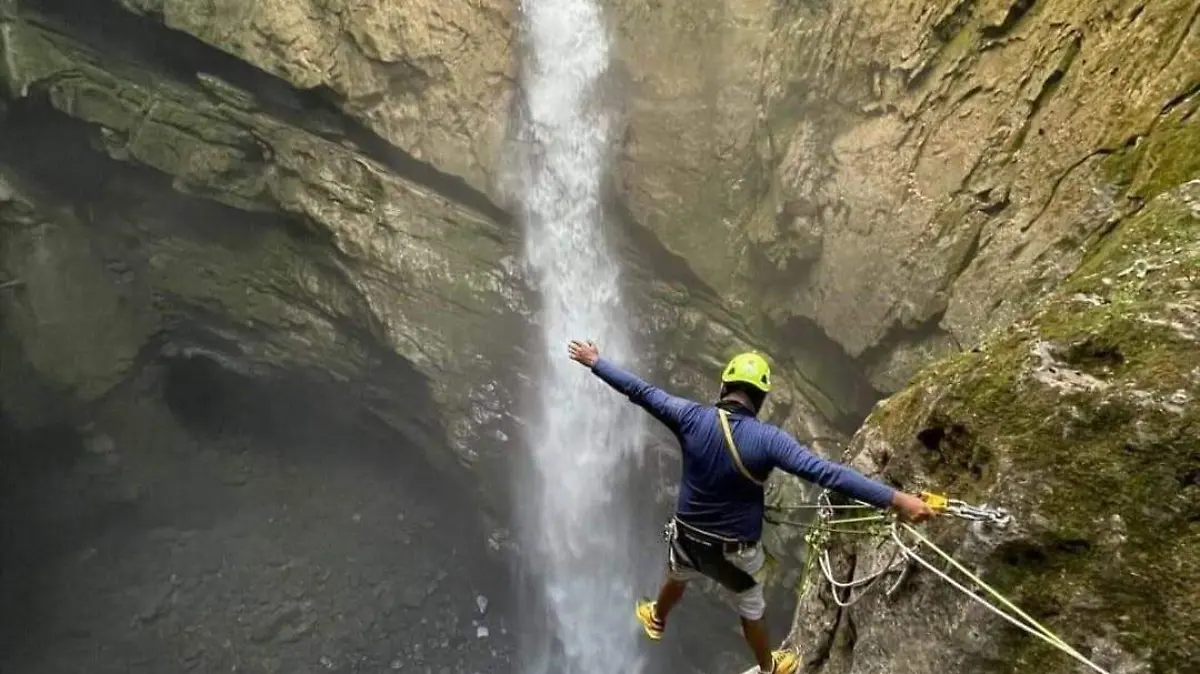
[739,396]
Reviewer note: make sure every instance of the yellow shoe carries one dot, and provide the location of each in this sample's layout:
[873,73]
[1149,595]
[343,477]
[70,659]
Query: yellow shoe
[649,619]
[784,662]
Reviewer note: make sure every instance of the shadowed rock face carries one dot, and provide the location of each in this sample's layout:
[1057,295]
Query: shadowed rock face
[164,203]
[309,198]
[202,521]
[289,249]
[398,255]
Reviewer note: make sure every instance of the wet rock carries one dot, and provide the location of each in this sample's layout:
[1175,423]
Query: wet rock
[1044,440]
[157,604]
[292,633]
[271,626]
[252,163]
[396,72]
[414,594]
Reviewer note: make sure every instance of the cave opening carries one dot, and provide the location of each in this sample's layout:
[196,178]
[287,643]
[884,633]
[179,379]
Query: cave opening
[202,519]
[195,389]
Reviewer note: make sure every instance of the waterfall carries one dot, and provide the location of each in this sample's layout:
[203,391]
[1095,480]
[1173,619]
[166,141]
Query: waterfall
[575,518]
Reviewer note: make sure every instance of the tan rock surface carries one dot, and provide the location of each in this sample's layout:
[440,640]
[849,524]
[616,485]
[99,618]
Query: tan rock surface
[896,171]
[434,78]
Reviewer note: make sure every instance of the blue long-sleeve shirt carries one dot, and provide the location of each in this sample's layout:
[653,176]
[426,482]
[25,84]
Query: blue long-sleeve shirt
[713,494]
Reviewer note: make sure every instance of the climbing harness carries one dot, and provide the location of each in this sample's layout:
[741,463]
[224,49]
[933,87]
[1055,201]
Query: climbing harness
[689,547]
[905,553]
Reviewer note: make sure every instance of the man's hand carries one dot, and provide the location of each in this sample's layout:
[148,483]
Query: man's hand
[912,508]
[584,353]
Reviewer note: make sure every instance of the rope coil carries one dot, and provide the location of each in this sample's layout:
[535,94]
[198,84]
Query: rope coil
[904,554]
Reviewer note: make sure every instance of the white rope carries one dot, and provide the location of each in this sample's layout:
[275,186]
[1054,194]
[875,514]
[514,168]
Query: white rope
[957,509]
[1030,627]
[866,582]
[869,581]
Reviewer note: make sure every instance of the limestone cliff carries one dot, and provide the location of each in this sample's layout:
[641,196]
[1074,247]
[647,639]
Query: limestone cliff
[281,247]
[298,237]
[862,188]
[1081,420]
[162,200]
[903,176]
[313,190]
[434,78]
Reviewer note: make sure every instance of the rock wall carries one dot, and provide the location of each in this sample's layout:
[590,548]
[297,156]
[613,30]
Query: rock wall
[258,200]
[861,189]
[1080,419]
[163,202]
[252,235]
[316,190]
[434,78]
[904,176]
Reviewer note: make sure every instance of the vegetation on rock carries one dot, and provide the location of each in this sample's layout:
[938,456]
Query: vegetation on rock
[1082,420]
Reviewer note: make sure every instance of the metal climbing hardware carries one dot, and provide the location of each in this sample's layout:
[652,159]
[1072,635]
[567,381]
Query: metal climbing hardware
[907,553]
[935,501]
[995,516]
[961,509]
[944,505]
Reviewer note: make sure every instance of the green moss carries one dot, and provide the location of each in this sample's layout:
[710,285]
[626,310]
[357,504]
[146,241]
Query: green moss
[1120,167]
[1112,474]
[1167,157]
[960,44]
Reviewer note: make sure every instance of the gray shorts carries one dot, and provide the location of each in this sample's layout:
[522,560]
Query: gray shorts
[751,604]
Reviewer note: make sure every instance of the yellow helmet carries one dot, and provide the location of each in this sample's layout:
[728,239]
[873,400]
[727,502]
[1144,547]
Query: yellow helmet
[748,368]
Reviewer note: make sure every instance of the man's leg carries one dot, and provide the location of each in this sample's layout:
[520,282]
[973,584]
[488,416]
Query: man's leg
[755,632]
[653,614]
[751,606]
[668,595]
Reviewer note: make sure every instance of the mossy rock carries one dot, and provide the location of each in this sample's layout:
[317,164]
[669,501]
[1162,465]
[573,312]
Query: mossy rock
[1082,421]
[1167,156]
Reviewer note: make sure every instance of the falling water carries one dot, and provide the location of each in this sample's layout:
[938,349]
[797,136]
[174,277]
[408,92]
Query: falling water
[576,524]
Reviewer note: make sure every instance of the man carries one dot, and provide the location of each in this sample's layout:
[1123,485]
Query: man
[727,456]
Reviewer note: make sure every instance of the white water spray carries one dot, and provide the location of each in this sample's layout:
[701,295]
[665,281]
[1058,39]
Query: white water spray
[576,523]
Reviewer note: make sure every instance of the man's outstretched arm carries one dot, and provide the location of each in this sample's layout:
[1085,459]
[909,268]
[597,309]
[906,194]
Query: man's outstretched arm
[794,458]
[668,409]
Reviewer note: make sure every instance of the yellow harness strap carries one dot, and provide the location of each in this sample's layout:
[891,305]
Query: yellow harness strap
[733,450]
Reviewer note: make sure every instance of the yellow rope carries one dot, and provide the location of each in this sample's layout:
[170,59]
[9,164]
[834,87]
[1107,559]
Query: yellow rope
[1041,630]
